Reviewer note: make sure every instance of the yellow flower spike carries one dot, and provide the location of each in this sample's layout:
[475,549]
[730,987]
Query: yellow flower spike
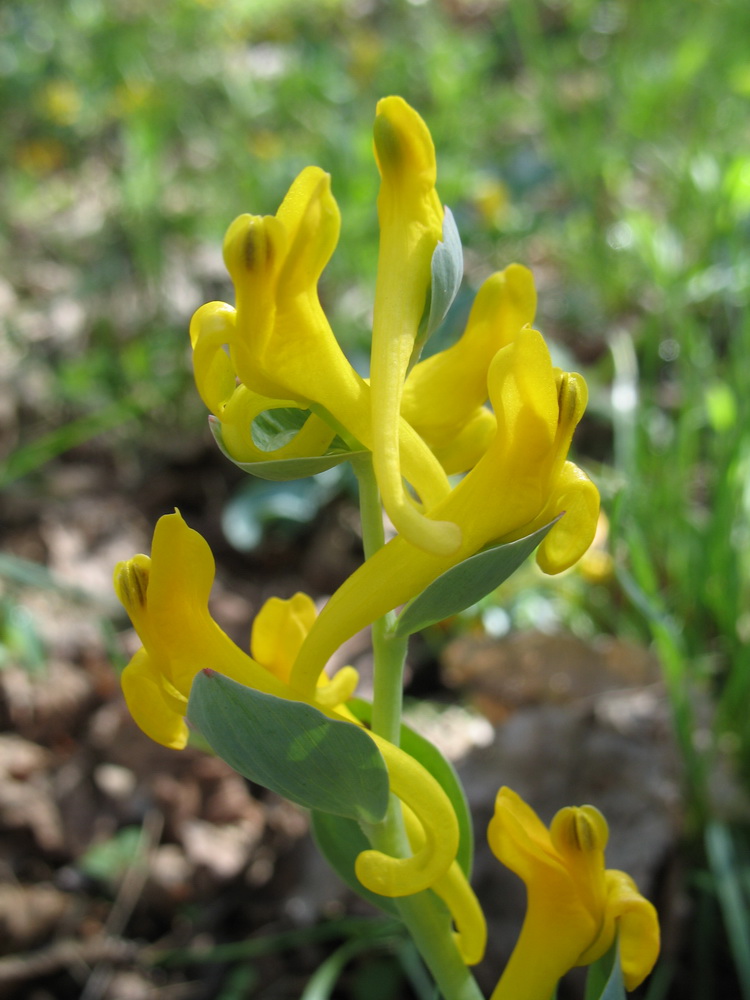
[166,597]
[444,395]
[521,478]
[411,223]
[574,906]
[281,344]
[453,888]
[416,787]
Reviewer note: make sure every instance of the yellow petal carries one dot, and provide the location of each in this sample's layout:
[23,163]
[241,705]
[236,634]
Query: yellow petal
[166,597]
[414,785]
[576,497]
[211,329]
[454,890]
[411,219]
[312,221]
[523,392]
[444,392]
[638,926]
[244,406]
[518,838]
[279,630]
[158,712]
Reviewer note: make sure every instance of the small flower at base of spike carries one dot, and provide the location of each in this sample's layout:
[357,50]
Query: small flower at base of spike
[575,907]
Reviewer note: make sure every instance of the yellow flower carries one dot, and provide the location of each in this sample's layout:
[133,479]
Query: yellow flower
[444,396]
[166,597]
[281,345]
[575,907]
[521,482]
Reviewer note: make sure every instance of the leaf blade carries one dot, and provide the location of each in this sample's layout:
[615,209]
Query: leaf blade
[466,583]
[291,748]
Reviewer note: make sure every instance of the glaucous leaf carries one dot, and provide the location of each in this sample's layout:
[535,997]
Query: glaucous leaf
[468,582]
[340,840]
[447,271]
[604,980]
[291,748]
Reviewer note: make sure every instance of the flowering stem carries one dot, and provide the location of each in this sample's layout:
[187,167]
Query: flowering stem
[389,652]
[423,913]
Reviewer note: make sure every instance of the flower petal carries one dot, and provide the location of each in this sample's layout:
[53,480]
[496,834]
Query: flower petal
[411,219]
[159,713]
[417,788]
[279,630]
[444,392]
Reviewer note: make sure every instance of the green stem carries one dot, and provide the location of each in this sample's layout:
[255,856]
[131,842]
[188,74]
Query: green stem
[389,652]
[423,913]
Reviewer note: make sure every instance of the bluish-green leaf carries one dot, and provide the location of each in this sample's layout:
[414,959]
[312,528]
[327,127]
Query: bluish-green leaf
[468,582]
[291,748]
[441,770]
[340,841]
[281,470]
[604,980]
[447,271]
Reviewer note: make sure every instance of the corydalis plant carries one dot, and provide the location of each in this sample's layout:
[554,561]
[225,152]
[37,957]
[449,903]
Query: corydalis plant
[387,810]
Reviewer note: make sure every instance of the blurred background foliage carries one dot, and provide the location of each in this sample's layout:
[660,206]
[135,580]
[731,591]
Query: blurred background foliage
[604,143]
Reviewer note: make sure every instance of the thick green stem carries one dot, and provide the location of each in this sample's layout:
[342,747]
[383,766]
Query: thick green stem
[423,913]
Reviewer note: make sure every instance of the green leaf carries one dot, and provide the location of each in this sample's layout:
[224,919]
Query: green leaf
[604,980]
[725,866]
[291,748]
[468,582]
[280,470]
[441,770]
[447,271]
[340,840]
